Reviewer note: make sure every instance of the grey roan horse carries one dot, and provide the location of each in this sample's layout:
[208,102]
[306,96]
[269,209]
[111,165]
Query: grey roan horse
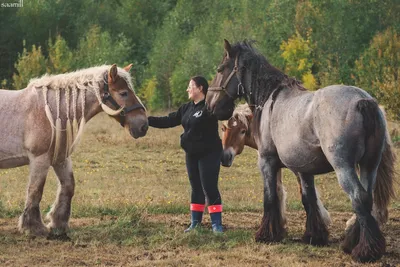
[41,125]
[338,128]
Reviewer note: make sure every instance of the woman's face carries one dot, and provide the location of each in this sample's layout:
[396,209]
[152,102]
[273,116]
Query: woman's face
[194,92]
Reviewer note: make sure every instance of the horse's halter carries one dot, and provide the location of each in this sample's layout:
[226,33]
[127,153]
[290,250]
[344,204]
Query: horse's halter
[240,89]
[107,97]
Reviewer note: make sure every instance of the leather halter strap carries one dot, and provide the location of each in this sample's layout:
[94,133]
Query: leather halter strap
[240,91]
[108,98]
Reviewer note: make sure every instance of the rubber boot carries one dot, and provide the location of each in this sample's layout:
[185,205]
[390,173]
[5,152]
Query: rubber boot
[216,218]
[196,216]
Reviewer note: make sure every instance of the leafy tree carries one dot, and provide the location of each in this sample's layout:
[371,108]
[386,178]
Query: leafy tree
[297,53]
[97,48]
[60,56]
[168,46]
[10,42]
[4,84]
[378,70]
[29,65]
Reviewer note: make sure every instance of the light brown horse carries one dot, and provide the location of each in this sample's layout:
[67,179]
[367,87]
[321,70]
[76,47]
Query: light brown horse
[236,133]
[42,124]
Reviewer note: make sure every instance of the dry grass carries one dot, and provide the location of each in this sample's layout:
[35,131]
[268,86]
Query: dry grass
[131,205]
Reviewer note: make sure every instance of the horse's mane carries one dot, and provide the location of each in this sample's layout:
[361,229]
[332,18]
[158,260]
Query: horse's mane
[241,113]
[73,85]
[266,80]
[79,79]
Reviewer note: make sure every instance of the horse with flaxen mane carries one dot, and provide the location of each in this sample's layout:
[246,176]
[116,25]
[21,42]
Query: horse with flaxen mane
[42,124]
[236,133]
[337,128]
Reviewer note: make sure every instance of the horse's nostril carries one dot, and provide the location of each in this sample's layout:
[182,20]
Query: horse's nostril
[144,128]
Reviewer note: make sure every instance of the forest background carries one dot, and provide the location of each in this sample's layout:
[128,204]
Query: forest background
[320,42]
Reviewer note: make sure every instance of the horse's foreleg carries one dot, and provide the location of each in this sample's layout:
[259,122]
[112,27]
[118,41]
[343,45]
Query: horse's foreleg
[31,221]
[61,209]
[272,225]
[316,232]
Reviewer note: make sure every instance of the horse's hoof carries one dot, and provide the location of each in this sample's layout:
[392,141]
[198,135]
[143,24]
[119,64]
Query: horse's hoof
[371,243]
[267,238]
[351,238]
[318,241]
[60,237]
[56,234]
[36,232]
[368,254]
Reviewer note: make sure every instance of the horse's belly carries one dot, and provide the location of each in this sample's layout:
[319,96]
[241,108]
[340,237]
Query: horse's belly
[13,162]
[313,162]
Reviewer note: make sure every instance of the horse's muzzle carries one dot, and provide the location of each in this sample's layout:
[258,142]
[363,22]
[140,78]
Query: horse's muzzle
[139,129]
[227,157]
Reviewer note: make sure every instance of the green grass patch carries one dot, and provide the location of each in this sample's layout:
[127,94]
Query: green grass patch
[9,213]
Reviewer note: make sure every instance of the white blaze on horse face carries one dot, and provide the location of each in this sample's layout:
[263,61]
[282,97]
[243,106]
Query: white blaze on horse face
[234,123]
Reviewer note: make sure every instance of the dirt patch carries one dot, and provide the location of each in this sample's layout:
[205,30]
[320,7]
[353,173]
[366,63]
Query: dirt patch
[19,250]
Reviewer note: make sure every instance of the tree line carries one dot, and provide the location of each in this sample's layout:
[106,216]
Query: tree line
[320,42]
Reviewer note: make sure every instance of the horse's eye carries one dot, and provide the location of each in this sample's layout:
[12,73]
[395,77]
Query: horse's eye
[243,131]
[123,94]
[220,68]
[223,128]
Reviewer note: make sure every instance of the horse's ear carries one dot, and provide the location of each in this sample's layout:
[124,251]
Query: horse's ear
[227,47]
[128,68]
[113,73]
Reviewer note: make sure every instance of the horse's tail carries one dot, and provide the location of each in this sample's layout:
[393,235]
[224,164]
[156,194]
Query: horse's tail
[383,190]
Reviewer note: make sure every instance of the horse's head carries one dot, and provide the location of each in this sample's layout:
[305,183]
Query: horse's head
[235,135]
[226,85]
[117,93]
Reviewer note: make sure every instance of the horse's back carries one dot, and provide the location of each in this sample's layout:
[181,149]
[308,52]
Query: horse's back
[340,120]
[336,108]
[305,126]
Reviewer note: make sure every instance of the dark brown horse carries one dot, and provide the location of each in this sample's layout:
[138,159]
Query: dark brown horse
[337,128]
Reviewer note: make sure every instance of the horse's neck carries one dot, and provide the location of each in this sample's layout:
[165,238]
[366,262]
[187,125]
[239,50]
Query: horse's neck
[92,106]
[250,142]
[81,103]
[267,83]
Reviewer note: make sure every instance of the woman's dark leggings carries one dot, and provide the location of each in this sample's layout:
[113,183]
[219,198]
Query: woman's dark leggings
[203,171]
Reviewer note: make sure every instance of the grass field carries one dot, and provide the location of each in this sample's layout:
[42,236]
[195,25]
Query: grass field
[131,207]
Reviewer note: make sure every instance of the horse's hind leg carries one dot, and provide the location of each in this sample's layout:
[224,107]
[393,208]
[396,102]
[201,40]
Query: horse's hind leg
[281,191]
[368,179]
[380,215]
[316,229]
[272,225]
[61,209]
[31,221]
[364,239]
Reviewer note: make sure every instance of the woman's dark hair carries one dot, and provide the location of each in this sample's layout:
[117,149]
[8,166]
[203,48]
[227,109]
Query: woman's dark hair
[201,81]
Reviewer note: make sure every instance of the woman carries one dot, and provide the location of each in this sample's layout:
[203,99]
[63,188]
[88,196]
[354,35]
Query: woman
[203,148]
